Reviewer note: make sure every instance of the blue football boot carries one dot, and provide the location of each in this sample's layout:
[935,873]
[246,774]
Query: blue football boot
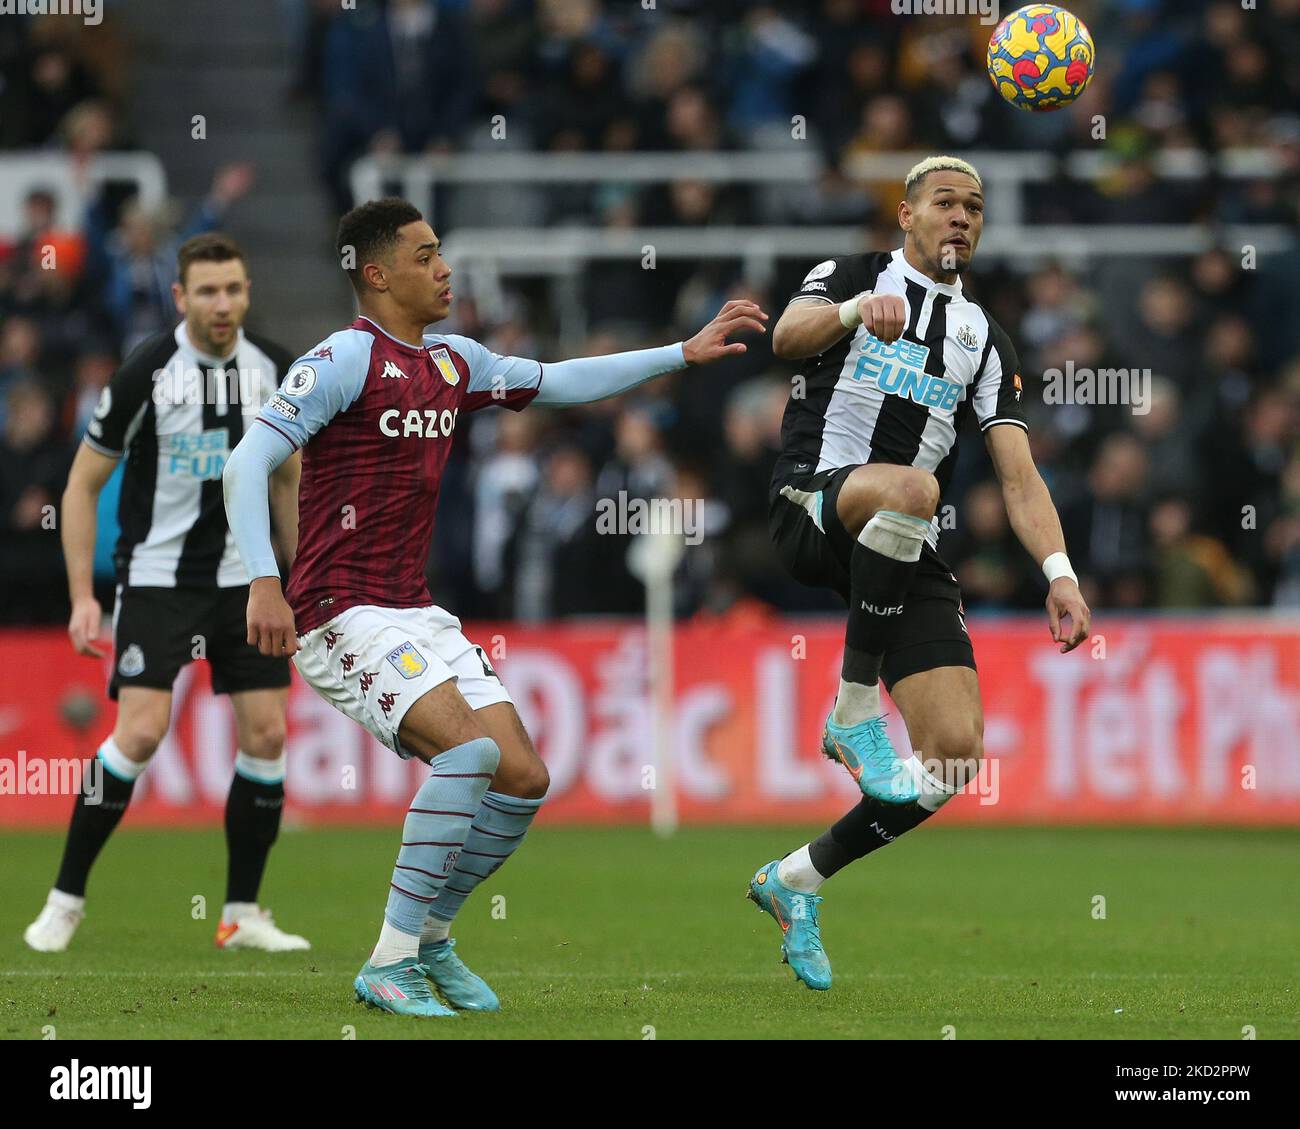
[398,988]
[796,914]
[456,984]
[866,752]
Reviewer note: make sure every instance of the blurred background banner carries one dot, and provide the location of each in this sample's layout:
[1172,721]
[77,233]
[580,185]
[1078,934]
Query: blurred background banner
[1169,720]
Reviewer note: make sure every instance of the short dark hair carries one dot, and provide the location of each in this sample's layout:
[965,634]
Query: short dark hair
[370,231]
[212,247]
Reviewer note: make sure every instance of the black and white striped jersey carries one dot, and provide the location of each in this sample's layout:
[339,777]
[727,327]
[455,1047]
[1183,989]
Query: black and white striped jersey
[176,414]
[863,401]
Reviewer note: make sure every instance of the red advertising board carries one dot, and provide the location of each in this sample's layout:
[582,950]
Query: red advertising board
[1154,720]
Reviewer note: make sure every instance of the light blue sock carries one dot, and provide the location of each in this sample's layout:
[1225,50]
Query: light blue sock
[435,829]
[498,828]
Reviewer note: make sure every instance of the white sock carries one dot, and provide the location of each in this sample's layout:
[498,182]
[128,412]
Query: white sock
[855,704]
[118,763]
[233,911]
[394,945]
[434,929]
[60,900]
[934,792]
[797,871]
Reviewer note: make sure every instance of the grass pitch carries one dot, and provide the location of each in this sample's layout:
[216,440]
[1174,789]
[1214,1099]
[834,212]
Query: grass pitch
[611,933]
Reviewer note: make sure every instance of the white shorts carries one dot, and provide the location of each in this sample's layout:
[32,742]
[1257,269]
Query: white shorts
[372,663]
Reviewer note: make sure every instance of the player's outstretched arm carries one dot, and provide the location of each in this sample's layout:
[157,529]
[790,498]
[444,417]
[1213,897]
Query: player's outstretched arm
[585,379]
[1036,523]
[711,344]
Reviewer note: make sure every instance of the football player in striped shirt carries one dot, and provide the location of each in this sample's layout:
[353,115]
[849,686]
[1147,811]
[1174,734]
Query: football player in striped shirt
[374,410]
[896,358]
[173,411]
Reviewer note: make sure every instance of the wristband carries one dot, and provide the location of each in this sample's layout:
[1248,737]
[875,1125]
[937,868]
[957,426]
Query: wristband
[850,318]
[1056,566]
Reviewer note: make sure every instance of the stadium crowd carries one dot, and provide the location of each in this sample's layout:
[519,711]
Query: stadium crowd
[1189,499]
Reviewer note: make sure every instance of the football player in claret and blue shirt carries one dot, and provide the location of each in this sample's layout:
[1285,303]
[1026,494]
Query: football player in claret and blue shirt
[373,410]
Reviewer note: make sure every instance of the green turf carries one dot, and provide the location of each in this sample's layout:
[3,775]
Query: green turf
[608,933]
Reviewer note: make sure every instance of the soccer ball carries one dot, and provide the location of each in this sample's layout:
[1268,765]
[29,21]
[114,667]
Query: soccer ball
[1041,57]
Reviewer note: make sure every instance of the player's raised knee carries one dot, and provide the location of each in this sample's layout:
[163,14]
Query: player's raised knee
[536,780]
[913,491]
[955,754]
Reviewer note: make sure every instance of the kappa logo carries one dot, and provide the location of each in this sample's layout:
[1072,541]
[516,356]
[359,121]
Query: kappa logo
[967,340]
[441,357]
[331,637]
[131,663]
[325,352]
[349,661]
[387,700]
[368,679]
[391,369]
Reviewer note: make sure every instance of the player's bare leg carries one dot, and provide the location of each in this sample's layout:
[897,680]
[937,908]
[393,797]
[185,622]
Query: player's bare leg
[498,829]
[253,811]
[142,718]
[887,510]
[442,730]
[945,723]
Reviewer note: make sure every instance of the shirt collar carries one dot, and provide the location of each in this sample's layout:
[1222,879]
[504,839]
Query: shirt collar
[952,289]
[405,344]
[182,336]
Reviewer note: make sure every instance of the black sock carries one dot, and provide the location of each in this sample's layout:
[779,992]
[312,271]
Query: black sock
[91,826]
[252,822]
[877,586]
[866,828]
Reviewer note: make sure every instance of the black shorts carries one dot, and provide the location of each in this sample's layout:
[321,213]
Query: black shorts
[156,631]
[816,551]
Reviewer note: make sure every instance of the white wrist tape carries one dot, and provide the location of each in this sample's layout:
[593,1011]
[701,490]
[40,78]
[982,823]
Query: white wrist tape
[1056,566]
[850,317]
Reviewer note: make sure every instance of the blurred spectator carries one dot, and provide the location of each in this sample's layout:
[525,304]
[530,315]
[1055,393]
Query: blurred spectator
[398,79]
[1107,528]
[552,558]
[34,465]
[505,481]
[771,54]
[990,564]
[1192,570]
